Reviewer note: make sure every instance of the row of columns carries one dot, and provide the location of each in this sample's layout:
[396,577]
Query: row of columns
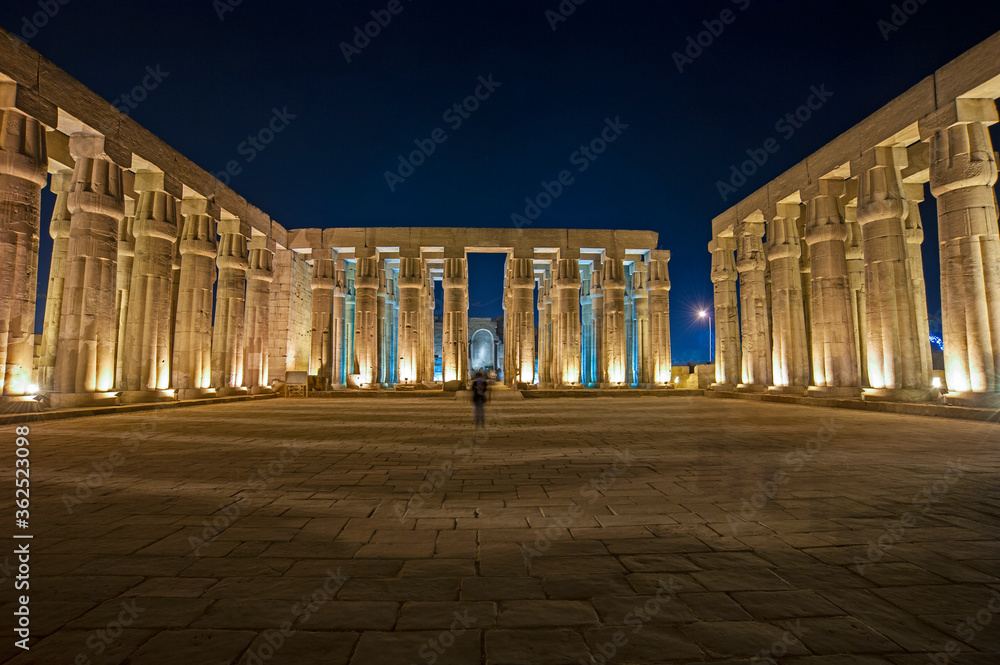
[129,302]
[835,302]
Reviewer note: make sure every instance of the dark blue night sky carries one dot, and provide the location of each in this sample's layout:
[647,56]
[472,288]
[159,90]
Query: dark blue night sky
[227,66]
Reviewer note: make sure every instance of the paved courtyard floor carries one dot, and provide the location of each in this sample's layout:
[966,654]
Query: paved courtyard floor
[380,532]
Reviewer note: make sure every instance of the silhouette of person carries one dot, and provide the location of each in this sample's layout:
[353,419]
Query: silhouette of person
[480,393]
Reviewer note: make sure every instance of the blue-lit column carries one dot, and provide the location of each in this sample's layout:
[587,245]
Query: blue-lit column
[366,317]
[338,329]
[599,375]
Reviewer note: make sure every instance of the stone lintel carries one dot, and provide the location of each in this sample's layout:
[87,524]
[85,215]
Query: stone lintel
[57,148]
[961,111]
[918,162]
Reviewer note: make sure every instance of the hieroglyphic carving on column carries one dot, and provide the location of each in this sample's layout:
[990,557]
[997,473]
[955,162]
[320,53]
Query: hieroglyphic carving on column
[146,353]
[566,274]
[834,359]
[366,316]
[893,348]
[963,170]
[323,283]
[350,362]
[23,164]
[411,314]
[455,320]
[520,321]
[751,264]
[597,308]
[727,325]
[640,301]
[260,274]
[199,247]
[339,330]
[59,230]
[613,284]
[658,288]
[230,306]
[913,229]
[85,357]
[123,282]
[790,354]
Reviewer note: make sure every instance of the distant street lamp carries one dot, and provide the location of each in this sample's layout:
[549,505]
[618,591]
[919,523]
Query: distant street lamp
[706,314]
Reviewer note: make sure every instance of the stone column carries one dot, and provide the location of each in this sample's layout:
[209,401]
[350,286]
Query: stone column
[366,317]
[350,362]
[260,274]
[123,283]
[727,326]
[230,307]
[383,326]
[640,301]
[520,322]
[894,352]
[339,329]
[427,338]
[567,282]
[913,229]
[789,353]
[544,330]
[751,264]
[597,307]
[193,332]
[455,337]
[613,284]
[23,169]
[658,288]
[854,252]
[835,370]
[411,313]
[323,283]
[85,357]
[963,171]
[146,351]
[289,314]
[59,230]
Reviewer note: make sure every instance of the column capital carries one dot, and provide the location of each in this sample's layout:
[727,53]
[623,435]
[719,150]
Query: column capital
[880,185]
[23,149]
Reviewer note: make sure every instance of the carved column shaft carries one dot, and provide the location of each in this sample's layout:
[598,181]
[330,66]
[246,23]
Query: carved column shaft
[963,172]
[59,230]
[567,282]
[455,321]
[23,167]
[751,264]
[893,348]
[411,315]
[146,352]
[789,354]
[613,284]
[640,301]
[230,307]
[727,327]
[85,357]
[366,319]
[597,307]
[833,351]
[519,324]
[199,247]
[339,327]
[322,283]
[658,288]
[260,274]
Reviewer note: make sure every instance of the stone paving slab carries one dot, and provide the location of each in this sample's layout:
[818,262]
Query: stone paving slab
[684,530]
